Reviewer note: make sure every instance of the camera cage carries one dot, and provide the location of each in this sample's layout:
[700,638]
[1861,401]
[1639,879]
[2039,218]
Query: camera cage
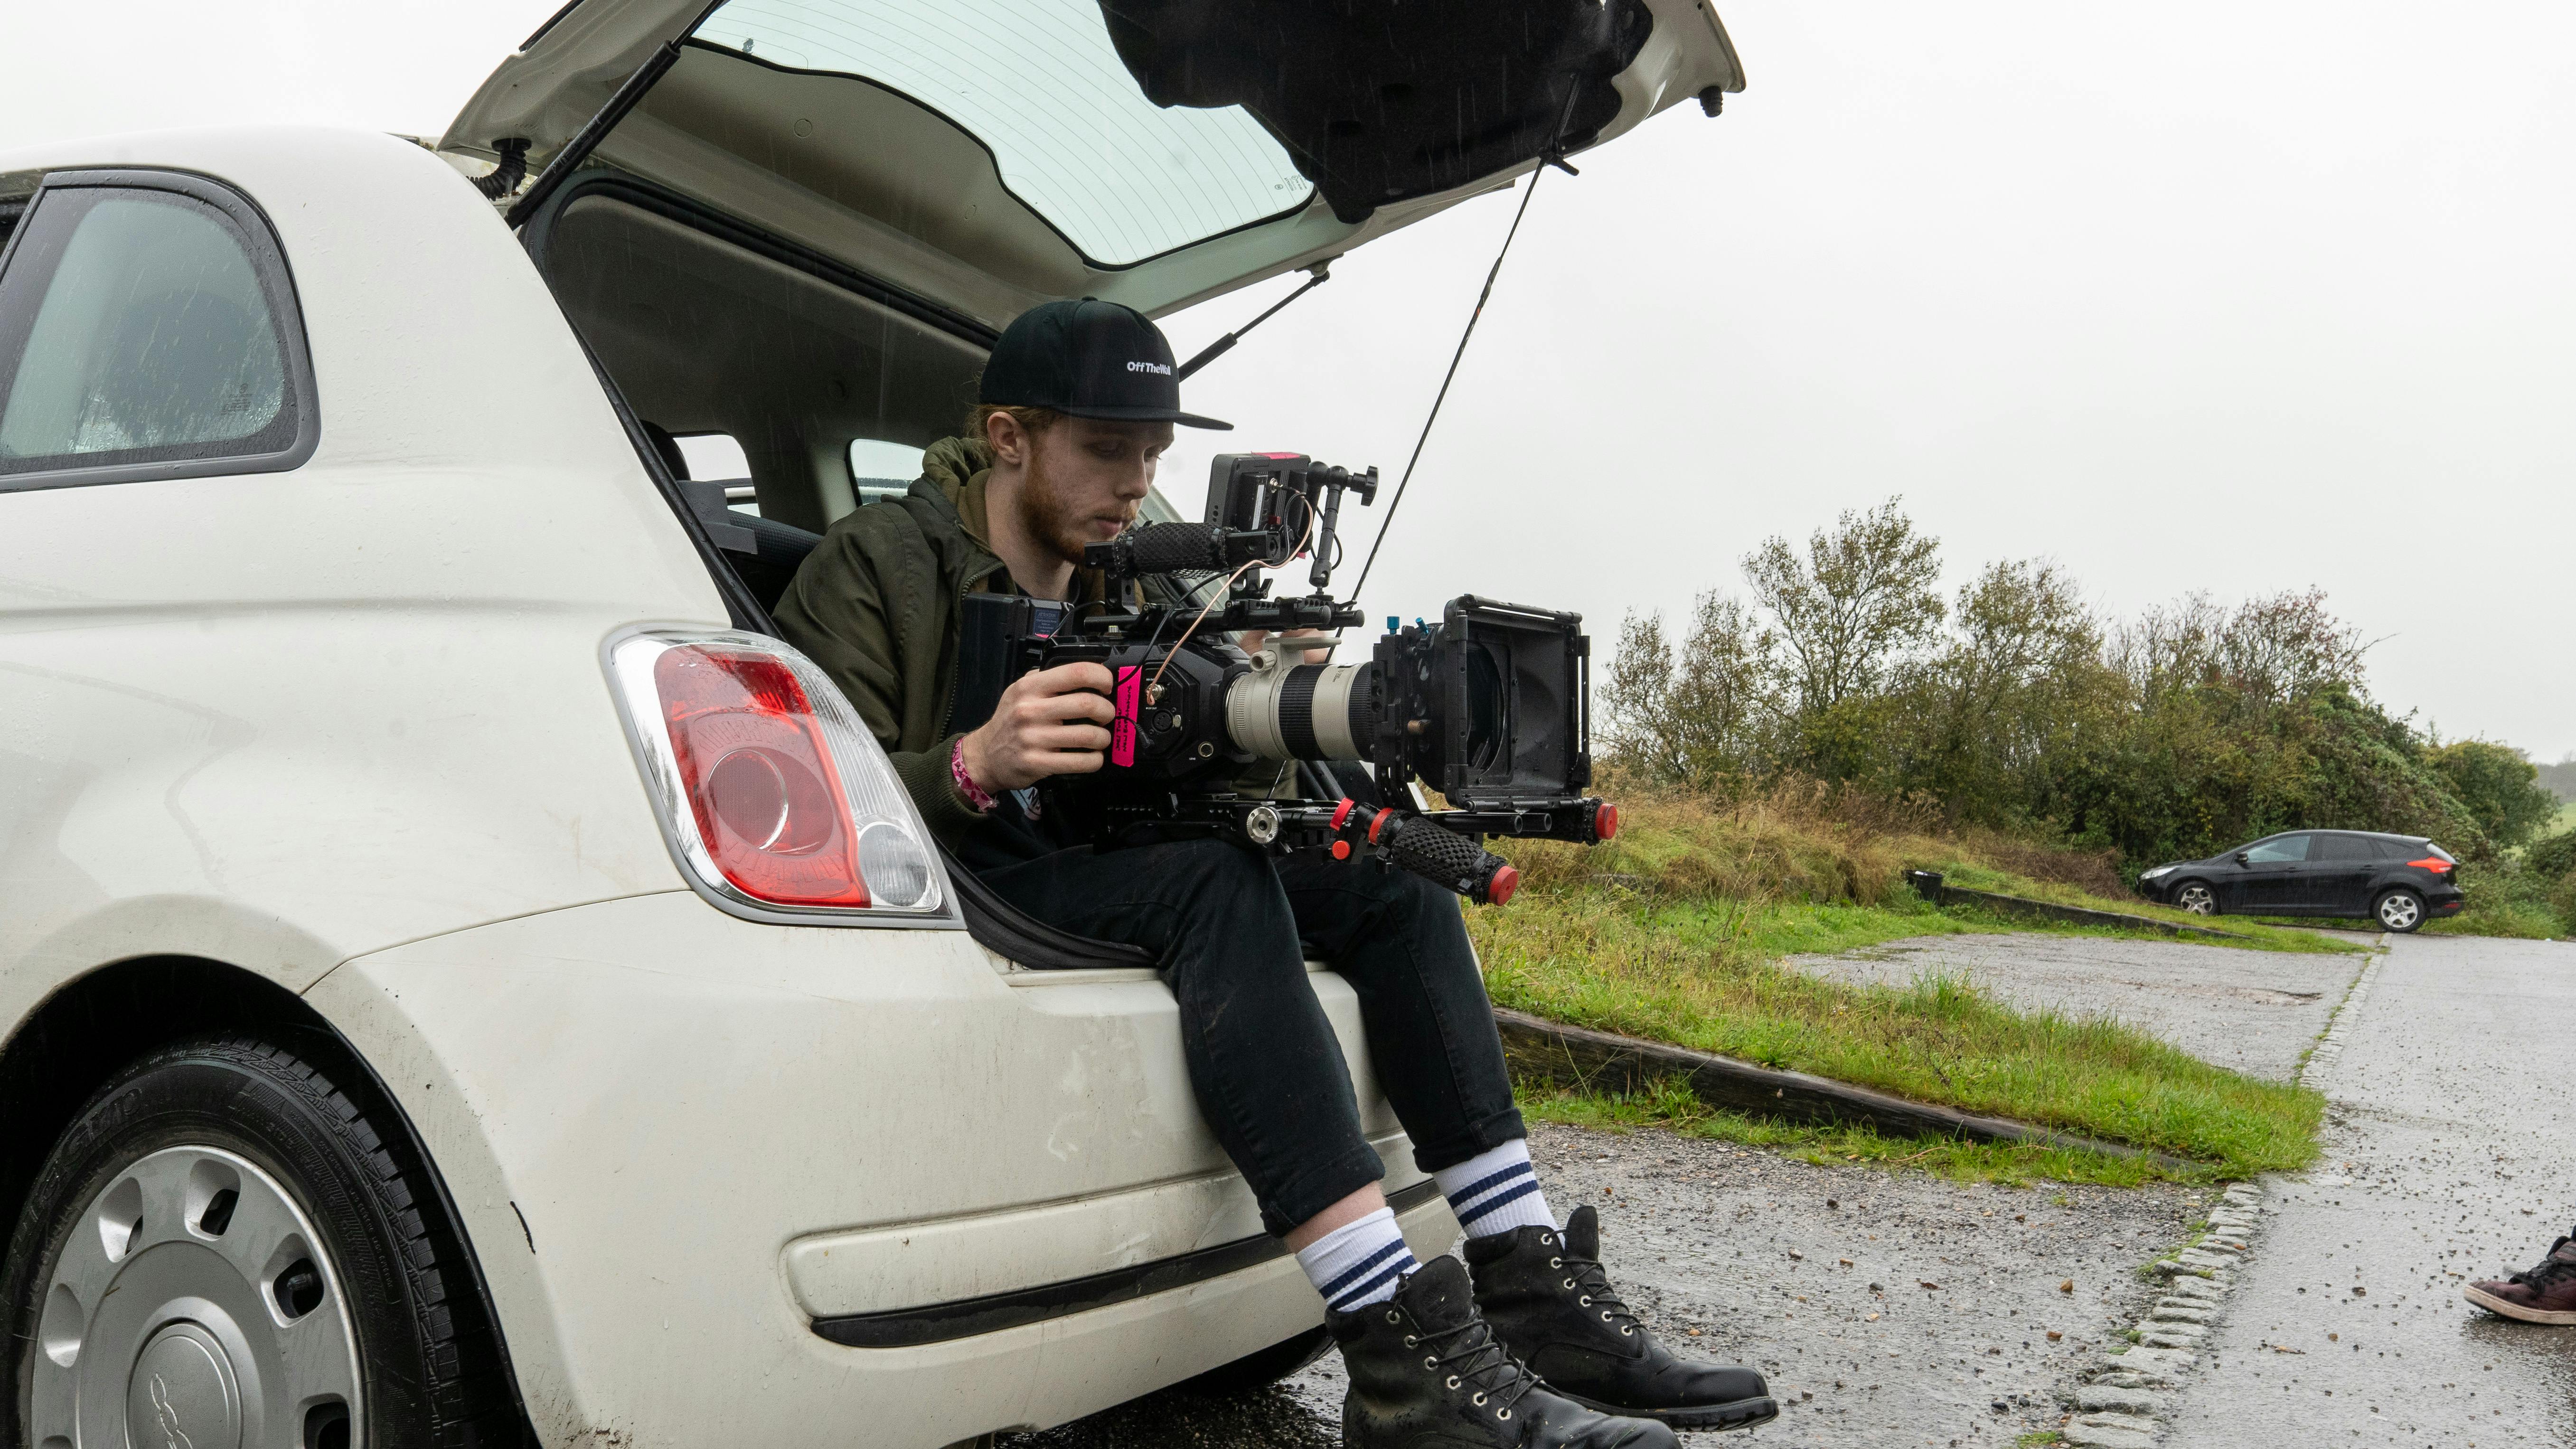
[1490,706]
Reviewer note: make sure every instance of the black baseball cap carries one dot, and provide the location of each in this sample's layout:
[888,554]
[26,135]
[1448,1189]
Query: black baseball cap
[1088,359]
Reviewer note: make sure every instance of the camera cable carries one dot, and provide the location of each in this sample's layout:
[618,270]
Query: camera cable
[1156,682]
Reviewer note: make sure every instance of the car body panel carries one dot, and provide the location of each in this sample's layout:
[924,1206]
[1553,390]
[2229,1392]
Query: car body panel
[696,1115]
[884,184]
[2341,870]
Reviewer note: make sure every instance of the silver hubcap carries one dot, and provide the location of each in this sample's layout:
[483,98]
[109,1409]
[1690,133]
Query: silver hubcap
[2398,912]
[2196,899]
[193,1307]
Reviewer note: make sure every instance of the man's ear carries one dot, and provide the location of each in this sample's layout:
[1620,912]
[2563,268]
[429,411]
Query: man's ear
[1008,440]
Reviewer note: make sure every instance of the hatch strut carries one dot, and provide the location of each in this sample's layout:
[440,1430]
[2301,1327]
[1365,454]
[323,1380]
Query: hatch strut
[592,132]
[560,167]
[1316,276]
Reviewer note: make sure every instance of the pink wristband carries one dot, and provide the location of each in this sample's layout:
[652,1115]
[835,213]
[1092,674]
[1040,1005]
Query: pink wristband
[975,794]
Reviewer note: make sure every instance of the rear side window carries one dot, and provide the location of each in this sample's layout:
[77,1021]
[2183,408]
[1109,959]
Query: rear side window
[147,332]
[2344,847]
[879,469]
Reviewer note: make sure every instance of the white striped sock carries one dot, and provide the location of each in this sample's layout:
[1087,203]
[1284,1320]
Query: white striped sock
[1358,1263]
[1495,1191]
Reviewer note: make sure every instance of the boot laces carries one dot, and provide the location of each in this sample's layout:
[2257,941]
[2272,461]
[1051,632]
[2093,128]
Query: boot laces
[1478,1362]
[1586,1278]
[2548,1271]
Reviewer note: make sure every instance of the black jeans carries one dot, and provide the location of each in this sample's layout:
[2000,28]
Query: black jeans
[1225,924]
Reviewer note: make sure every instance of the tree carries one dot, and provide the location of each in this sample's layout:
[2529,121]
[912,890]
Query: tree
[2017,688]
[1864,596]
[2499,785]
[1695,718]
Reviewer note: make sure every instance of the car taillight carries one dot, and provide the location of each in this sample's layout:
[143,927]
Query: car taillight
[2437,867]
[774,796]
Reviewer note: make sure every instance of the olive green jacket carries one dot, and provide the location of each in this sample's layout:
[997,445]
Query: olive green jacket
[878,603]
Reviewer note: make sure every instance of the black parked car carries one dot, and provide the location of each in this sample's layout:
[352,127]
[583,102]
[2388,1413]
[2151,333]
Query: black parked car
[2400,881]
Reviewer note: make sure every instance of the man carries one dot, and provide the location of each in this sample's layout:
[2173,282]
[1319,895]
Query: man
[1078,403]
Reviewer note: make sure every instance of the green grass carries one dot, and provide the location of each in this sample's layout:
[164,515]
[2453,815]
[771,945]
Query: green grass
[1673,1107]
[1706,974]
[1676,930]
[2039,1439]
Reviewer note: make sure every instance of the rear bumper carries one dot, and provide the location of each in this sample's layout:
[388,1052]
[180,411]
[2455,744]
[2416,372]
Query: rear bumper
[699,1158]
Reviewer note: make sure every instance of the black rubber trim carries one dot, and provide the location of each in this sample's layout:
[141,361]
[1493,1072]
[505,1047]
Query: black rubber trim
[1006,930]
[1297,711]
[968,1317]
[552,21]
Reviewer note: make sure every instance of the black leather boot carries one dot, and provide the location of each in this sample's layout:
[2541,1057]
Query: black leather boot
[1426,1373]
[1545,1295]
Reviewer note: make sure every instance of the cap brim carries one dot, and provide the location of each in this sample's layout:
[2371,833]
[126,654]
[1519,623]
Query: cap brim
[1146,415]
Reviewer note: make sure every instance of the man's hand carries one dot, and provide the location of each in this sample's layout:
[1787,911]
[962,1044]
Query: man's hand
[1051,722]
[1253,639]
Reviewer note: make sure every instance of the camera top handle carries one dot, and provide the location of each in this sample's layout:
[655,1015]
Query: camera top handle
[1262,508]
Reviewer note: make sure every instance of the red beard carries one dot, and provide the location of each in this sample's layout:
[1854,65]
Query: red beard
[1052,518]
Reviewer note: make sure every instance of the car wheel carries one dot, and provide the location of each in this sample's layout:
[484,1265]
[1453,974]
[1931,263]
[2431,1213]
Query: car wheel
[223,1249]
[1262,1368]
[2196,898]
[2400,911]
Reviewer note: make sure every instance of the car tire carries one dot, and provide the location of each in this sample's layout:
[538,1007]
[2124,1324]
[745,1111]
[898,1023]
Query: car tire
[2401,911]
[1261,1368]
[226,1246]
[2196,897]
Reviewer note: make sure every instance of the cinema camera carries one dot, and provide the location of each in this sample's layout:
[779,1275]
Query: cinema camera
[1489,706]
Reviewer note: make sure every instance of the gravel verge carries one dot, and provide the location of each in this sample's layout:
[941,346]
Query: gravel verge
[1935,1333]
[2250,1011]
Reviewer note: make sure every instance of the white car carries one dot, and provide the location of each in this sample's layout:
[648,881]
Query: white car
[460,977]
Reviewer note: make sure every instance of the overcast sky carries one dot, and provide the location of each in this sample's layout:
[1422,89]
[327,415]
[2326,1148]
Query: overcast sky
[2198,296]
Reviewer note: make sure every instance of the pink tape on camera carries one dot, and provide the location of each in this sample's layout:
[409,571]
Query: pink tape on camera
[1122,730]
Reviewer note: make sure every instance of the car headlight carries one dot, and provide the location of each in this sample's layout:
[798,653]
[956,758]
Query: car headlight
[2152,874]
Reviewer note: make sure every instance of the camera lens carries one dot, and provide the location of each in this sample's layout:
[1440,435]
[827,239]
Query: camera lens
[1309,712]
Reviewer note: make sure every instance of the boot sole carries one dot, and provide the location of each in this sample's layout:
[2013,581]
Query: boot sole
[1739,1414]
[2493,1304]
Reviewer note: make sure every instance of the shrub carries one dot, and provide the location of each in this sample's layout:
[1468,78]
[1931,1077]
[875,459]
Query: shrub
[2499,785]
[2018,711]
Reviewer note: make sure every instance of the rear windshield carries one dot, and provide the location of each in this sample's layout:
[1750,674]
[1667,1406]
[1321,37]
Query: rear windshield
[2438,853]
[1040,85]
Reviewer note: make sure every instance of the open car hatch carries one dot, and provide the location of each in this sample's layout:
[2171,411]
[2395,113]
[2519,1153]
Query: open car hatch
[985,155]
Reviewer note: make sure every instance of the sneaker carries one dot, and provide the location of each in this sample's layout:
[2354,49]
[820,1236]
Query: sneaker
[1545,1294]
[1426,1371]
[2544,1294]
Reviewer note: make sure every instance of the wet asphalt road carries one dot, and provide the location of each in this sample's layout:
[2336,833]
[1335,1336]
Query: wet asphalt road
[1935,1332]
[2451,1157]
